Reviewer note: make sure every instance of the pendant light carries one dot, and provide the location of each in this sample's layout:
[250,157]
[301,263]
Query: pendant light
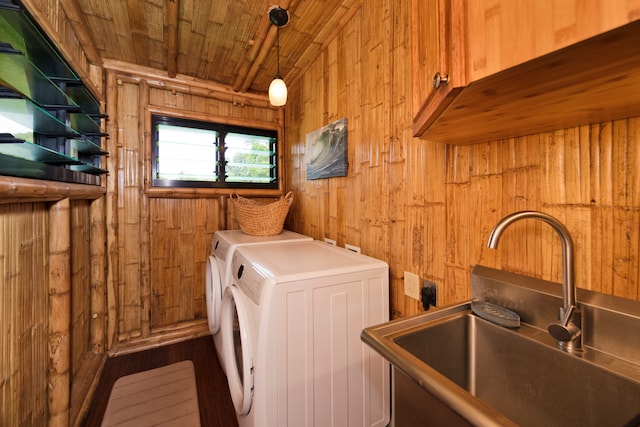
[278,89]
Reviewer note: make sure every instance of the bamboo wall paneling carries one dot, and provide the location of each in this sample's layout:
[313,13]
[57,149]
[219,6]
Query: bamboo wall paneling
[181,235]
[145,220]
[333,205]
[457,234]
[458,191]
[603,257]
[111,212]
[375,104]
[24,318]
[80,264]
[52,320]
[421,206]
[310,28]
[98,276]
[331,83]
[87,300]
[129,203]
[451,197]
[485,193]
[412,237]
[311,221]
[162,237]
[422,236]
[634,157]
[188,85]
[60,306]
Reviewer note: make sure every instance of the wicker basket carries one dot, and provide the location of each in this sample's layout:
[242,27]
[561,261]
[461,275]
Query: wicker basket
[260,219]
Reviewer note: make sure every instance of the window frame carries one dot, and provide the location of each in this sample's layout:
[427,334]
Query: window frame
[159,186]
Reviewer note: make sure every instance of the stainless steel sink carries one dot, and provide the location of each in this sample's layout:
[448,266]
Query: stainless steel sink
[491,375]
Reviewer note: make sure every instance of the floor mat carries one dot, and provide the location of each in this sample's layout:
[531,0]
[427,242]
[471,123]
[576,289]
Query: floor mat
[165,396]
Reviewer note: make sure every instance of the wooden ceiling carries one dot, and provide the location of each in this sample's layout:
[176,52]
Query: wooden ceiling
[230,42]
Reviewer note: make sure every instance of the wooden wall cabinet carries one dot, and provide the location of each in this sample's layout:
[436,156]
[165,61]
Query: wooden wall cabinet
[438,52]
[594,78]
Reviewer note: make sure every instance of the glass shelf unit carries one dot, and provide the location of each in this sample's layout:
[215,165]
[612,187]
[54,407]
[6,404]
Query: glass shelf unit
[19,30]
[86,147]
[24,78]
[47,115]
[36,153]
[29,117]
[90,169]
[81,95]
[15,166]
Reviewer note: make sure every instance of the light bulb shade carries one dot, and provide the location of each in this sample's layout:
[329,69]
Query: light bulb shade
[277,92]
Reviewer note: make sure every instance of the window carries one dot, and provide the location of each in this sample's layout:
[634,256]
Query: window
[192,153]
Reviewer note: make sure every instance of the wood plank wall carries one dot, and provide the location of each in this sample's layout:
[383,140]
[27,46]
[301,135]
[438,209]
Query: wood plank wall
[421,206]
[24,314]
[45,310]
[161,238]
[49,318]
[428,208]
[80,283]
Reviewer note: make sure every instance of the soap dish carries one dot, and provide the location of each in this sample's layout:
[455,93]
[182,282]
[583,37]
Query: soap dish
[496,314]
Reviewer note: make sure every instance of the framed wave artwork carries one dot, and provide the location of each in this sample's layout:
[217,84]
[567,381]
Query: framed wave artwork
[326,151]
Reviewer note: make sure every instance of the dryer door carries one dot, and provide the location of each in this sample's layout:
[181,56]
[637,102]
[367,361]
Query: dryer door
[237,349]
[213,295]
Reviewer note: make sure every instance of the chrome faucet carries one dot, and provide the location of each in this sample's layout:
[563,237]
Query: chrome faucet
[567,329]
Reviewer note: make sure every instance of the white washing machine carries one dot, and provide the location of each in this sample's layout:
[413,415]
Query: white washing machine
[297,358]
[218,274]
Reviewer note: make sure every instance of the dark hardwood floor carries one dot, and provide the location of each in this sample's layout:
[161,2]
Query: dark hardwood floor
[216,408]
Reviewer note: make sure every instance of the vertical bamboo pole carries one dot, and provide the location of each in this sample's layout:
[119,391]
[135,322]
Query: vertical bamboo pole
[98,275]
[145,235]
[59,313]
[111,211]
[222,213]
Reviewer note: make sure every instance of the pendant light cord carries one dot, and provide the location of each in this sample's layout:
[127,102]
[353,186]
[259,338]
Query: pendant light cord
[278,47]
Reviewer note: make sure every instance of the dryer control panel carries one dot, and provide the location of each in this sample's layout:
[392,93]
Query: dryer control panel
[247,277]
[220,248]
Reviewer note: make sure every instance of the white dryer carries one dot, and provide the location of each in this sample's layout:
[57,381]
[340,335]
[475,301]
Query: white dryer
[218,274]
[297,358]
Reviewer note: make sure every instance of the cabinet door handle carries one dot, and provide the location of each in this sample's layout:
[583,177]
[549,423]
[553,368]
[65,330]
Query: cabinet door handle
[438,79]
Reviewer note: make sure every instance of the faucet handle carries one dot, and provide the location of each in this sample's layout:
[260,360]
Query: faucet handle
[566,315]
[565,330]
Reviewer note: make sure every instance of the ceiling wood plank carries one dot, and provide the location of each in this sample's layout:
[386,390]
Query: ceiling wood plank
[173,7]
[258,42]
[80,28]
[138,27]
[265,37]
[230,42]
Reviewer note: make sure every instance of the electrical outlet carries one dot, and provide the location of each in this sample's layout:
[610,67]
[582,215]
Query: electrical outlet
[429,294]
[412,285]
